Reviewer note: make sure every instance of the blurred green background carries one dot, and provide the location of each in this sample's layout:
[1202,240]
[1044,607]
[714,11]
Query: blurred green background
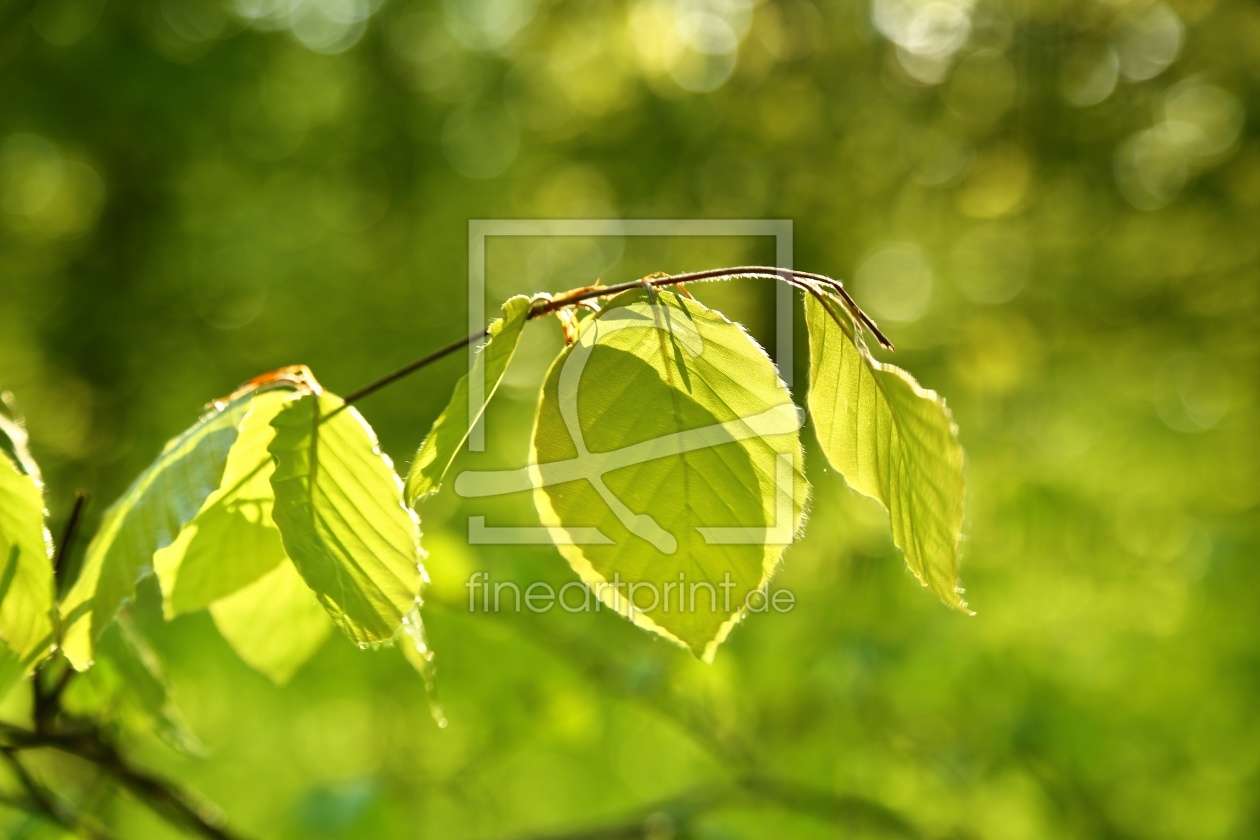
[1051,207]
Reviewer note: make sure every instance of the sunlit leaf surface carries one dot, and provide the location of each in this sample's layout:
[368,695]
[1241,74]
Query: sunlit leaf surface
[453,425]
[232,541]
[274,624]
[893,441]
[147,517]
[27,613]
[667,459]
[339,508]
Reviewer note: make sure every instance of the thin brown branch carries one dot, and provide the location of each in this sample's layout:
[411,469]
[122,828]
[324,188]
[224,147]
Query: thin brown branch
[806,281]
[89,742]
[408,369]
[799,279]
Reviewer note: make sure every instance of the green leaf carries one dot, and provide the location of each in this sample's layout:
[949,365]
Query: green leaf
[893,441]
[667,465]
[275,624]
[27,606]
[232,541]
[231,559]
[454,424]
[130,673]
[15,441]
[147,517]
[341,515]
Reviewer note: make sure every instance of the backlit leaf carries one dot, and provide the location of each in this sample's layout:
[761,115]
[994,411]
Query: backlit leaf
[453,425]
[14,440]
[27,612]
[275,624]
[232,541]
[339,507]
[147,517]
[893,441]
[667,465]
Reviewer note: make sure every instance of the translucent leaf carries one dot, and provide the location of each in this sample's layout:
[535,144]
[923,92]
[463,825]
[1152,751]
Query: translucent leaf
[667,465]
[232,541]
[27,608]
[454,424]
[231,559]
[893,441]
[14,441]
[275,624]
[341,515]
[147,517]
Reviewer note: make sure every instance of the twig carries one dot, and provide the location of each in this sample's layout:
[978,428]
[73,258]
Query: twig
[67,535]
[800,279]
[161,796]
[804,280]
[406,370]
[173,804]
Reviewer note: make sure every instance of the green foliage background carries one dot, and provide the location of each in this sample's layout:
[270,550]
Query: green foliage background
[1051,207]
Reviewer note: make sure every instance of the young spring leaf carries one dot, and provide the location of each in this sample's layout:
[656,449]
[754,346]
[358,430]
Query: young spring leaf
[339,507]
[891,440]
[147,517]
[275,624]
[232,541]
[27,611]
[453,425]
[667,465]
[231,559]
[14,440]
